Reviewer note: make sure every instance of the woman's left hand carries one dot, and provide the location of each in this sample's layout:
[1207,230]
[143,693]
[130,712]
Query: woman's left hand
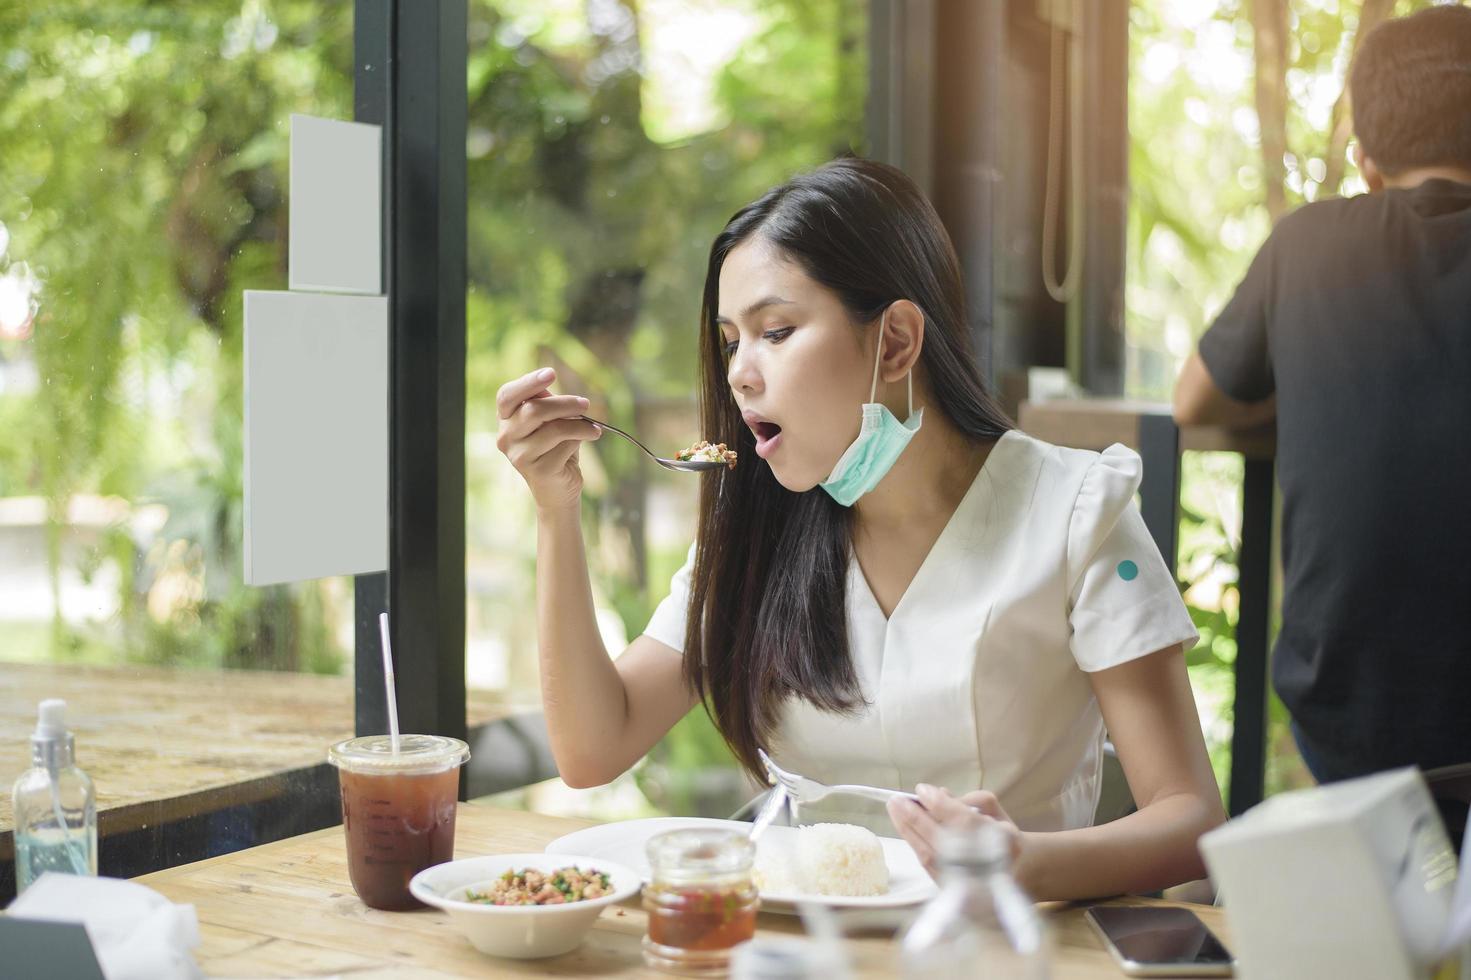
[919,823]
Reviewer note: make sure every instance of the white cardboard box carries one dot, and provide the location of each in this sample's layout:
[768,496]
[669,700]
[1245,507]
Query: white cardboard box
[1352,879]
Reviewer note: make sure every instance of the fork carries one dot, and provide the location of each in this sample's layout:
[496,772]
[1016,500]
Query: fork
[801,789]
[683,465]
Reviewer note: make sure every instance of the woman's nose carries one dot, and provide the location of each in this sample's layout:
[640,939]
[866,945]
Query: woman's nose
[743,374]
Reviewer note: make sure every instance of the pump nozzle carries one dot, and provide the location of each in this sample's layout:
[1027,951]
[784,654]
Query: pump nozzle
[51,721]
[51,743]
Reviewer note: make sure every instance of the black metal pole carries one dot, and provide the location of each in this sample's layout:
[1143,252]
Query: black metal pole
[410,79]
[371,98]
[1104,211]
[901,112]
[1159,490]
[967,161]
[879,110]
[1249,728]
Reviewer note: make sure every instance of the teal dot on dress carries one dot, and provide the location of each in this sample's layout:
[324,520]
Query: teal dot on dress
[1128,571]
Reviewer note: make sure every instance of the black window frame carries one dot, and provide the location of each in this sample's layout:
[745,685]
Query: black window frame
[409,78]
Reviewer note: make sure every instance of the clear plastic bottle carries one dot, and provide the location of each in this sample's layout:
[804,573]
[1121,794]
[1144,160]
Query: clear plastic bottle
[981,925]
[55,806]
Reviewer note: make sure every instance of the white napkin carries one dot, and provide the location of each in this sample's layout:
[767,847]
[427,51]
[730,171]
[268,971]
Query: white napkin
[136,933]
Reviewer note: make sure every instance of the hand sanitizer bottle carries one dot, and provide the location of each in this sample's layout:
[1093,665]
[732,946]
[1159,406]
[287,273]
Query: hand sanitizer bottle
[55,806]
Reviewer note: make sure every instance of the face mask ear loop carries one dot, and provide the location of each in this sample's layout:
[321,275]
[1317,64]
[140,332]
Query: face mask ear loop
[873,389]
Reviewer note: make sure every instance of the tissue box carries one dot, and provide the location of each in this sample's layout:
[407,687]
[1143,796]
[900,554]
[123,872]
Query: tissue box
[135,933]
[1352,879]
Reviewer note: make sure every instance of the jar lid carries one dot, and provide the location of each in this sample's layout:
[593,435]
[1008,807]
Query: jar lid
[416,754]
[696,853]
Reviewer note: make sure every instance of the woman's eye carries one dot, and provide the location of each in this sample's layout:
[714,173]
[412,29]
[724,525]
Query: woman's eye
[776,336]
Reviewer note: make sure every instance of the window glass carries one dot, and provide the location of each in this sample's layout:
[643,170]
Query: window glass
[608,144]
[143,182]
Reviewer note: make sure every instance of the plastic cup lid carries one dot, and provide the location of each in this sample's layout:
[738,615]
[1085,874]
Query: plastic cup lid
[416,754]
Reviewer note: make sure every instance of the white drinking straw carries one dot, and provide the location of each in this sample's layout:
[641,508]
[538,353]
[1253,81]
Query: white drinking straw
[388,683]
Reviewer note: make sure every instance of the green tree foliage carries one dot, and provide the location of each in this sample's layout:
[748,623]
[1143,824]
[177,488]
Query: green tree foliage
[589,237]
[142,182]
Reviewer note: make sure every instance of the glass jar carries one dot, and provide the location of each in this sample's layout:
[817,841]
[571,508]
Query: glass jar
[700,900]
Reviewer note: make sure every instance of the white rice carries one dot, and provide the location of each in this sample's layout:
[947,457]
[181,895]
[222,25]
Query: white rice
[824,859]
[776,867]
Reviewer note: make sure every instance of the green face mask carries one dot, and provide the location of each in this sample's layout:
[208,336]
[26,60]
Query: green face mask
[880,440]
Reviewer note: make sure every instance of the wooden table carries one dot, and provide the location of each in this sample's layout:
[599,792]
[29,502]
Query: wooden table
[163,745]
[287,910]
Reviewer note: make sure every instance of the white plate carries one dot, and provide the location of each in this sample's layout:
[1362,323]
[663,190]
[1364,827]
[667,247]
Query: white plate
[909,883]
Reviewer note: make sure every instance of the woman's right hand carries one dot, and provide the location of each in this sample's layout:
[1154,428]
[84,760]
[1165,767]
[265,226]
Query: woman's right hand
[540,434]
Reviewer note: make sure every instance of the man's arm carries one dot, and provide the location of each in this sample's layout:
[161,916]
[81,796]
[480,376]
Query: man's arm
[1199,401]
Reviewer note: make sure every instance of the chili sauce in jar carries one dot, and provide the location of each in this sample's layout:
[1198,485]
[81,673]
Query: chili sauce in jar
[700,900]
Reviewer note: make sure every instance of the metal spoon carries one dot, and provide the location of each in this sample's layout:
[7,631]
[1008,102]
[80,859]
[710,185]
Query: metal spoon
[687,466]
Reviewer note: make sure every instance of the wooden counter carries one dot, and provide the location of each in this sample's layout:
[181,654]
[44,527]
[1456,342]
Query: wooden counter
[164,744]
[287,909]
[1097,423]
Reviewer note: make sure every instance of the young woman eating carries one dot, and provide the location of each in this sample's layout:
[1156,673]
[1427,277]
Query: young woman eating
[892,585]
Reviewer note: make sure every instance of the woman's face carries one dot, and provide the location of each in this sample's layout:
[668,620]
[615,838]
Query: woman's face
[798,368]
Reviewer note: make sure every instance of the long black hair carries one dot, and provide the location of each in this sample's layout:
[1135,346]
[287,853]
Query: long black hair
[767,594]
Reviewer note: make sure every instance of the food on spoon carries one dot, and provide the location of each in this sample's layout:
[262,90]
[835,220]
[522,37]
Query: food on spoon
[704,452]
[531,886]
[824,859]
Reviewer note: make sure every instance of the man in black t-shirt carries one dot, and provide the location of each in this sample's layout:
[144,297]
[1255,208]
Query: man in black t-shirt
[1353,328]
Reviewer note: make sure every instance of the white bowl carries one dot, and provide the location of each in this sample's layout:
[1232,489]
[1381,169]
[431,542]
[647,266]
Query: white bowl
[519,931]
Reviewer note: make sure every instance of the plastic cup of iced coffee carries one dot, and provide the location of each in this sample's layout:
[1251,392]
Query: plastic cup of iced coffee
[398,810]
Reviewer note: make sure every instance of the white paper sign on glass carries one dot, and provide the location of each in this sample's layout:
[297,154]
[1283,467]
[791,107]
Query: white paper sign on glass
[316,436]
[335,204]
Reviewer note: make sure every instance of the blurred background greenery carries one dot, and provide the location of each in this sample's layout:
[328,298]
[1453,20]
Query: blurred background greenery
[143,152]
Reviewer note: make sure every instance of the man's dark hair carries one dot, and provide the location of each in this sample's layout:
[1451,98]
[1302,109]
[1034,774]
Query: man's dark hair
[1411,91]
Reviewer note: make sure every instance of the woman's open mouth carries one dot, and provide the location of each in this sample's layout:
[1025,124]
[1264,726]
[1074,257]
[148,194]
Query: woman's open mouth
[768,436]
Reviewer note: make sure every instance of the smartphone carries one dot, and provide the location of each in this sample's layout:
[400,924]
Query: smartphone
[1159,941]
